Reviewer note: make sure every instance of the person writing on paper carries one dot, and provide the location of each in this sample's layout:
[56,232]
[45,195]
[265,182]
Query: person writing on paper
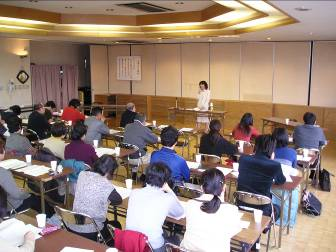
[95,126]
[94,193]
[148,207]
[72,113]
[210,221]
[203,102]
[245,131]
[29,238]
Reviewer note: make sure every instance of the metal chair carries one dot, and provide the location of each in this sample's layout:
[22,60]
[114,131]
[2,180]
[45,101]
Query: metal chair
[188,190]
[256,200]
[126,161]
[182,142]
[72,218]
[174,248]
[316,166]
[31,135]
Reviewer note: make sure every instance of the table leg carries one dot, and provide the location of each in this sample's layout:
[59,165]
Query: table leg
[289,209]
[263,127]
[281,215]
[42,191]
[67,194]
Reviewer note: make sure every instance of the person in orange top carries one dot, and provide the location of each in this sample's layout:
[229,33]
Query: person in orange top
[244,130]
[71,113]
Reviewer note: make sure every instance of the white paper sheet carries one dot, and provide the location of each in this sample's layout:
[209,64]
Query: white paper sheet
[25,121]
[12,164]
[112,131]
[302,158]
[193,165]
[124,192]
[225,171]
[244,224]
[35,170]
[162,126]
[102,151]
[72,249]
[289,171]
[186,129]
[235,173]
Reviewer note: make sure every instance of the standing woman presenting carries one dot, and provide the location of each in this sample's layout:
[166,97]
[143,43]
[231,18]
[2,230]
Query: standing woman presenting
[203,104]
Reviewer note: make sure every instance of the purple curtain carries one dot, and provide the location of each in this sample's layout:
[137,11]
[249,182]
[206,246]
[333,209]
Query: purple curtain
[49,84]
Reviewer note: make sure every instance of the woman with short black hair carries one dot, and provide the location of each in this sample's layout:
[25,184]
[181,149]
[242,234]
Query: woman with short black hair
[210,221]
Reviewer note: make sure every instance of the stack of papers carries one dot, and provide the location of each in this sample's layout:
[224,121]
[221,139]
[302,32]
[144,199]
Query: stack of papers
[193,165]
[302,158]
[12,164]
[124,192]
[35,170]
[225,171]
[102,151]
[187,129]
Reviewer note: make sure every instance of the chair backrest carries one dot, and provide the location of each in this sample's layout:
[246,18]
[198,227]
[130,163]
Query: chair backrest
[189,191]
[251,198]
[137,153]
[173,248]
[213,159]
[32,135]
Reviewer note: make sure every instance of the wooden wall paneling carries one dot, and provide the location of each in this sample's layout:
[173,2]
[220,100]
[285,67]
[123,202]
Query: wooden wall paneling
[160,105]
[195,67]
[256,73]
[168,70]
[224,70]
[330,123]
[117,86]
[291,72]
[146,86]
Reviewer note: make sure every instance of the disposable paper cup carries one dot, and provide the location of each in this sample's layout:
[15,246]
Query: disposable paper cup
[128,183]
[70,123]
[117,151]
[28,159]
[235,166]
[95,143]
[305,152]
[198,158]
[257,215]
[241,144]
[154,123]
[287,120]
[53,165]
[41,220]
[61,111]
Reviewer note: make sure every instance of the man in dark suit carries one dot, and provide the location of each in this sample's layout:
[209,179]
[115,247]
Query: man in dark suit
[128,115]
[257,172]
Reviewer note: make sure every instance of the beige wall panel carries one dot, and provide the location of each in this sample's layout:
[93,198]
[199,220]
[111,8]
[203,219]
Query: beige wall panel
[224,70]
[147,84]
[256,72]
[117,86]
[99,69]
[323,88]
[330,123]
[195,67]
[291,72]
[168,70]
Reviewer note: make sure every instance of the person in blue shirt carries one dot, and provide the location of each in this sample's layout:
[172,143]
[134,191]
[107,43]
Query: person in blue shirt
[179,169]
[282,151]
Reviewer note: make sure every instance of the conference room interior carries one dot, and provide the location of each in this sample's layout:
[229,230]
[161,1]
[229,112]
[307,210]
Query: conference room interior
[274,59]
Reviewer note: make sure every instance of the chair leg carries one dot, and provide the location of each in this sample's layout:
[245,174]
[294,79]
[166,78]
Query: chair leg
[268,238]
[274,230]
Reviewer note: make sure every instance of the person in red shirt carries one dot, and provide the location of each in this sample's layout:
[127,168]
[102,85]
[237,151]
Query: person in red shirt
[245,131]
[71,113]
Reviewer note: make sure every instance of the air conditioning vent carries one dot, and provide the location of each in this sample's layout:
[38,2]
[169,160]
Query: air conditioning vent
[146,7]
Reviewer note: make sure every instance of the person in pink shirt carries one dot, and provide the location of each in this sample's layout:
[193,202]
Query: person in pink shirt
[245,131]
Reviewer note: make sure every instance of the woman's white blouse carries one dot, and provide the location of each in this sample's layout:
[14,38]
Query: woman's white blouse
[203,99]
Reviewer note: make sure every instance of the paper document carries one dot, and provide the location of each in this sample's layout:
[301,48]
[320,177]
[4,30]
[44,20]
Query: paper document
[35,170]
[225,171]
[302,158]
[161,127]
[12,164]
[71,249]
[193,187]
[235,173]
[102,151]
[25,121]
[289,171]
[112,131]
[186,129]
[244,224]
[193,165]
[124,192]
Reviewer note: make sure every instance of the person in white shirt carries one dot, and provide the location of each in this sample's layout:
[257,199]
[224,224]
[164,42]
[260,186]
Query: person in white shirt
[203,103]
[210,221]
[55,143]
[148,207]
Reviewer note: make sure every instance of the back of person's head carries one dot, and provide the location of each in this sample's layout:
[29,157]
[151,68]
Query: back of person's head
[157,174]
[212,181]
[78,130]
[203,82]
[38,106]
[169,136]
[74,103]
[214,131]
[50,104]
[16,109]
[96,111]
[105,165]
[281,137]
[130,106]
[3,203]
[58,129]
[140,117]
[265,145]
[245,122]
[309,118]
[13,124]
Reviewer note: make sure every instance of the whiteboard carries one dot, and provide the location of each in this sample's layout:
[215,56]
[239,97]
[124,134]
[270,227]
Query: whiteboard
[129,68]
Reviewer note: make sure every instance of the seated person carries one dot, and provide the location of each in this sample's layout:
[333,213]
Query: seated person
[17,198]
[94,193]
[72,113]
[14,110]
[3,129]
[282,151]
[55,143]
[214,143]
[245,131]
[29,238]
[50,108]
[95,125]
[38,122]
[178,166]
[138,134]
[148,207]
[309,135]
[257,172]
[210,221]
[128,115]
[77,149]
[17,144]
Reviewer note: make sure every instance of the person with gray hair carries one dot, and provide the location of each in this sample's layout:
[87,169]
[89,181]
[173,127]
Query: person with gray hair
[128,115]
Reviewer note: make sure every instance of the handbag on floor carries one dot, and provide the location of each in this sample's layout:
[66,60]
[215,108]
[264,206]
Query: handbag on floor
[324,180]
[310,204]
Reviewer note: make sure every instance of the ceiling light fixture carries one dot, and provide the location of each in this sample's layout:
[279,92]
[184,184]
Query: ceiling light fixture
[269,38]
[302,8]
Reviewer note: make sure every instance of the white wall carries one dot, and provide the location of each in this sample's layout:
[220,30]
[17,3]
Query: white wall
[10,65]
